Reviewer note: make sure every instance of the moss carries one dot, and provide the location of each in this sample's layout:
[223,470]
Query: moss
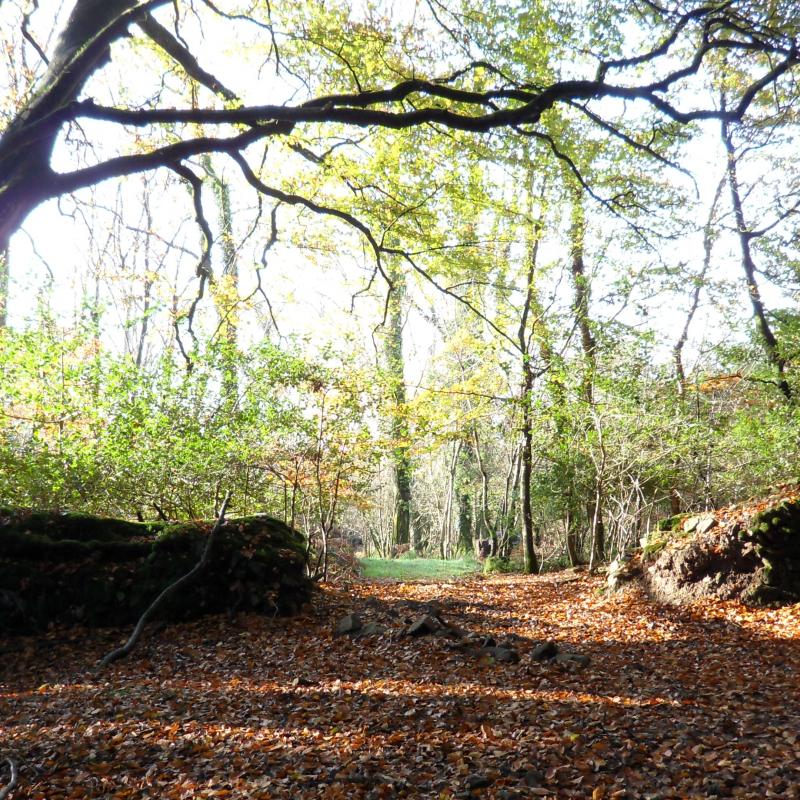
[672,523]
[257,563]
[653,548]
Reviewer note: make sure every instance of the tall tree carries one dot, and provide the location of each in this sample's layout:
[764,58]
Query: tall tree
[679,42]
[398,413]
[772,349]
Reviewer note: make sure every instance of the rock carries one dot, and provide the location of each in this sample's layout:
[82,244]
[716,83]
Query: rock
[573,658]
[545,651]
[446,632]
[371,629]
[533,777]
[503,655]
[347,625]
[706,524]
[478,781]
[690,524]
[424,626]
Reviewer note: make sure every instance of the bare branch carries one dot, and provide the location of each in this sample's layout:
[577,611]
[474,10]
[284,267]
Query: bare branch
[26,19]
[170,590]
[13,767]
[170,44]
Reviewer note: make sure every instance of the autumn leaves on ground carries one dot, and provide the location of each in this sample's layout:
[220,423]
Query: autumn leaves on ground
[701,701]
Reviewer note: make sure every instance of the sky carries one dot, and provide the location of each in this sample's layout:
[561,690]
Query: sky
[311,291]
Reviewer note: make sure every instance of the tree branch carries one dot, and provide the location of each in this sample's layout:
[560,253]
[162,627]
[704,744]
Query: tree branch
[172,589]
[170,44]
[13,780]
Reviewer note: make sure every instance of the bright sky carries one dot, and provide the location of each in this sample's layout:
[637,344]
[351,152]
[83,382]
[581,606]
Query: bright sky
[310,290]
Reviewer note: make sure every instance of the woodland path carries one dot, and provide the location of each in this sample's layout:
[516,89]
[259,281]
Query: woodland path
[698,702]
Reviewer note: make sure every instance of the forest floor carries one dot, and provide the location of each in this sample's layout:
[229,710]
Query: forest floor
[701,701]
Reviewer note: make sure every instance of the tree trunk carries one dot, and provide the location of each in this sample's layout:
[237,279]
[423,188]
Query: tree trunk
[580,306]
[225,290]
[26,177]
[531,561]
[399,432]
[768,340]
[524,344]
[5,280]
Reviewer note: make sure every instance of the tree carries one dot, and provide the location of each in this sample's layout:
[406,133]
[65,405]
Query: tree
[677,45]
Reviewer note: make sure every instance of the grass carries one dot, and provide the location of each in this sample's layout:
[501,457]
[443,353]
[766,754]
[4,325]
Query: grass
[410,569]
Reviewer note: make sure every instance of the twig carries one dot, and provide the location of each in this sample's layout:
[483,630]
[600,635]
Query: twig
[184,580]
[14,767]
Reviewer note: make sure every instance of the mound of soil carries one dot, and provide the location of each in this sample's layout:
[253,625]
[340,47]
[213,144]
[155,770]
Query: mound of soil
[58,568]
[749,551]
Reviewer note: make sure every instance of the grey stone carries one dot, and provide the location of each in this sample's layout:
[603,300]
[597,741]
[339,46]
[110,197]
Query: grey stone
[478,781]
[706,524]
[573,658]
[503,655]
[690,524]
[545,651]
[371,629]
[532,777]
[347,625]
[423,626]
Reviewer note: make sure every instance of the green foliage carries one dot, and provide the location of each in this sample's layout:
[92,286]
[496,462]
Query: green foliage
[496,564]
[84,429]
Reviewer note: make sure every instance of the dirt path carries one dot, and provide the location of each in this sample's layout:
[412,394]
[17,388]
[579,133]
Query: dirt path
[700,702]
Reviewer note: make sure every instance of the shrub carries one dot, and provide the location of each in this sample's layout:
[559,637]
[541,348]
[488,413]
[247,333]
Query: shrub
[496,564]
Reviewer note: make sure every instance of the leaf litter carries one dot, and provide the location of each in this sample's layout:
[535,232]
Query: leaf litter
[700,701]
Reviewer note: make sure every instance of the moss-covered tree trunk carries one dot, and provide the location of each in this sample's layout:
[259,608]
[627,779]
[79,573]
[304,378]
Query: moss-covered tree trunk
[398,423]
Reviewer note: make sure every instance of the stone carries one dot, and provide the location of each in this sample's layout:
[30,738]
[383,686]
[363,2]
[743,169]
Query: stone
[545,651]
[347,625]
[423,626]
[533,778]
[706,524]
[478,781]
[573,658]
[690,524]
[371,629]
[503,655]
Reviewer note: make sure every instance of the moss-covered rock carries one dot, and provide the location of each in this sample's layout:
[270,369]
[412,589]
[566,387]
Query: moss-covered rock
[736,553]
[776,534]
[60,568]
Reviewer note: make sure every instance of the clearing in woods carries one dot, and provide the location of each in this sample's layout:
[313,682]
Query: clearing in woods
[698,702]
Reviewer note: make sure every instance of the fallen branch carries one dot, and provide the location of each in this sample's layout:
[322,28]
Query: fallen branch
[14,767]
[172,589]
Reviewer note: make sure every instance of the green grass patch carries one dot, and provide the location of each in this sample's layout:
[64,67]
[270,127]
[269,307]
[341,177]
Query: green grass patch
[415,569]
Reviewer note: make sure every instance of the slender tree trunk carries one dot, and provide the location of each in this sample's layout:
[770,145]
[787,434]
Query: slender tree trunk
[571,533]
[5,281]
[768,340]
[399,432]
[447,517]
[531,561]
[580,306]
[486,525]
[524,337]
[226,290]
